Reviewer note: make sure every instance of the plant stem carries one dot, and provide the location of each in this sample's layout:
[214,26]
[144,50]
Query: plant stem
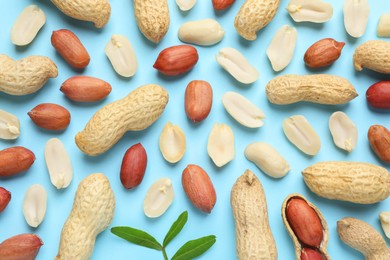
[164,253]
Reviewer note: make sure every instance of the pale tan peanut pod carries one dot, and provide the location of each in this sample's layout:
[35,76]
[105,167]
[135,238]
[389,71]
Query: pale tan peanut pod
[34,205]
[237,65]
[9,126]
[122,56]
[254,239]
[299,132]
[58,163]
[268,159]
[220,146]
[185,5]
[152,18]
[356,13]
[384,218]
[172,143]
[243,110]
[315,11]
[135,112]
[363,237]
[96,11]
[318,88]
[343,130]
[373,55]
[306,226]
[27,25]
[383,29]
[25,76]
[253,16]
[281,49]
[158,198]
[203,32]
[356,182]
[92,212]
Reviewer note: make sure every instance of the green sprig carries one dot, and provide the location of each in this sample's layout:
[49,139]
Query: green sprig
[189,250]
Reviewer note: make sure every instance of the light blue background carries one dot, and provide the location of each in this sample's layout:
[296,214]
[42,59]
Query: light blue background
[129,203]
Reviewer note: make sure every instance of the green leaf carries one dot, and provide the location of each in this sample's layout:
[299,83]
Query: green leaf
[194,248]
[137,237]
[176,227]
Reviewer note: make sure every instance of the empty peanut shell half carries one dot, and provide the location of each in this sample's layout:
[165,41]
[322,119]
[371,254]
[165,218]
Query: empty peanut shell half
[242,110]
[27,25]
[158,198]
[34,205]
[343,130]
[58,163]
[9,126]
[122,56]
[282,47]
[268,159]
[299,132]
[237,65]
[384,217]
[204,32]
[185,5]
[356,17]
[383,29]
[172,143]
[220,146]
[315,11]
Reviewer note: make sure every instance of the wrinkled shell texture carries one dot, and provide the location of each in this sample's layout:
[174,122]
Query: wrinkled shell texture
[297,245]
[25,76]
[355,182]
[363,237]
[152,18]
[136,111]
[92,212]
[254,239]
[96,11]
[319,88]
[373,55]
[253,16]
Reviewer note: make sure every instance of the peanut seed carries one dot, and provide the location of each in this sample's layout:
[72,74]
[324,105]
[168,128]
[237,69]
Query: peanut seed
[122,56]
[237,65]
[9,126]
[384,25]
[27,25]
[242,110]
[299,132]
[281,49]
[315,11]
[58,163]
[267,159]
[343,130]
[356,14]
[202,32]
[185,5]
[220,146]
[158,198]
[34,205]
[172,143]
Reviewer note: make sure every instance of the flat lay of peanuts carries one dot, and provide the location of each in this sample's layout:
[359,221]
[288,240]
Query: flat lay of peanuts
[185,129]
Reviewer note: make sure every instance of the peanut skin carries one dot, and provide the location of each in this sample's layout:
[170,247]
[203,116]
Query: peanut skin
[379,138]
[15,160]
[20,247]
